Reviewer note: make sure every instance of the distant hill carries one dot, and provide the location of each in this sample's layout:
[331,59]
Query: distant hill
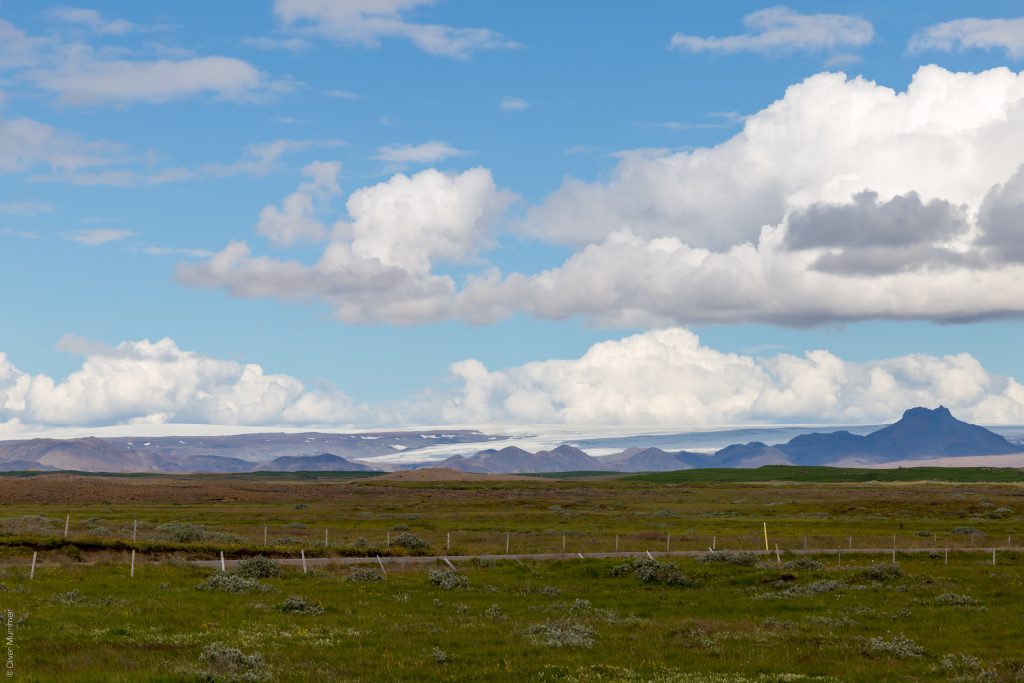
[322,462]
[753,454]
[920,433]
[514,460]
[310,451]
[654,460]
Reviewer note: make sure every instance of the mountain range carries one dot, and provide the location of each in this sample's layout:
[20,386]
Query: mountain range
[309,451]
[920,433]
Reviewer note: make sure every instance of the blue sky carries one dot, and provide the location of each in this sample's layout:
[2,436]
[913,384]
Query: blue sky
[137,160]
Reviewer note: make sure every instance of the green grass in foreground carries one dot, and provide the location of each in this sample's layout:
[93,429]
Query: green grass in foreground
[557,621]
[560,621]
[834,475]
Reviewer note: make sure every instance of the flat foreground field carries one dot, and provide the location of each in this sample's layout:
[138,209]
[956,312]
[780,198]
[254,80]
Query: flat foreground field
[943,612]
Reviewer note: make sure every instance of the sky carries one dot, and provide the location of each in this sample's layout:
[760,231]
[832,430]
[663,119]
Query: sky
[397,212]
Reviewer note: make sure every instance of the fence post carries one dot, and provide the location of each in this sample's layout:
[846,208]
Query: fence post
[133,563]
[778,556]
[668,543]
[508,541]
[325,538]
[993,557]
[389,538]
[616,543]
[766,549]
[381,563]
[947,557]
[67,524]
[894,548]
[302,553]
[32,571]
[222,567]
[714,543]
[563,543]
[448,542]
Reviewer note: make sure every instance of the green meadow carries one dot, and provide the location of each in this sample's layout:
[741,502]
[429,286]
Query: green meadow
[723,616]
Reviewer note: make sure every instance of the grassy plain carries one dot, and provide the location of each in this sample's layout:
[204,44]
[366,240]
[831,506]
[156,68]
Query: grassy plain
[83,618]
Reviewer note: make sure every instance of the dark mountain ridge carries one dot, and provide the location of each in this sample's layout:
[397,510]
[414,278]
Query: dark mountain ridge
[920,433]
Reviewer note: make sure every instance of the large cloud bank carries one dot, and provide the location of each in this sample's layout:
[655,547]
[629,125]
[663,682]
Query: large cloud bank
[661,377]
[844,200]
[667,377]
[143,381]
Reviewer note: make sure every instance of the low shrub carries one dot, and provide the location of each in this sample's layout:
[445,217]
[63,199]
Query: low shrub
[562,633]
[815,588]
[897,647]
[364,575]
[230,583]
[494,612]
[955,600]
[652,571]
[286,540]
[803,563]
[225,663]
[409,541]
[736,557]
[258,567]
[185,532]
[296,604]
[881,572]
[961,667]
[966,531]
[448,580]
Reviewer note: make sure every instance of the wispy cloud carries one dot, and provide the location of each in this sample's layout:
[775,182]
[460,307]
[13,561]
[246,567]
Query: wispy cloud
[780,29]
[25,208]
[92,20]
[343,94]
[98,236]
[426,153]
[268,43]
[367,22]
[972,34]
[513,104]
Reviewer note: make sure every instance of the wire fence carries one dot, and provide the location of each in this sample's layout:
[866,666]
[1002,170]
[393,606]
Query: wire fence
[399,539]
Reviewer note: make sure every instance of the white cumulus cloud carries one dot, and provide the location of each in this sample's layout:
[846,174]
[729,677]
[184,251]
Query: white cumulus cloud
[844,200]
[668,377]
[378,263]
[296,220]
[159,382]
